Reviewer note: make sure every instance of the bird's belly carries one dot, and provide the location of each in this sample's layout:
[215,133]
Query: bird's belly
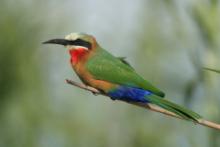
[89,80]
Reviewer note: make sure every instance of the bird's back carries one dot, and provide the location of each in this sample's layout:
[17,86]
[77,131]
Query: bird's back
[104,66]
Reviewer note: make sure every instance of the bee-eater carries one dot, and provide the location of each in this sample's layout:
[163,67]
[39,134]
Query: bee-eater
[113,76]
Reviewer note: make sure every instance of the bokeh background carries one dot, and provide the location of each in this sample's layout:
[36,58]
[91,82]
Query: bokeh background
[167,41]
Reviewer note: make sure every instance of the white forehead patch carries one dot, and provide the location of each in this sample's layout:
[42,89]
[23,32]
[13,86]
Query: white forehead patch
[72,36]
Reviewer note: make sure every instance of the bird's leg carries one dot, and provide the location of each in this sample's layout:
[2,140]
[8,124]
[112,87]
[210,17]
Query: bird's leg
[113,98]
[95,93]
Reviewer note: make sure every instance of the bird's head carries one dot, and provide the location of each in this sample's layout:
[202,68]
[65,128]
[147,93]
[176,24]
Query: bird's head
[75,41]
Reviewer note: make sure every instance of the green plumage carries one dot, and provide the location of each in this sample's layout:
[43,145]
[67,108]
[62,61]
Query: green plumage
[121,80]
[122,59]
[104,66]
[181,111]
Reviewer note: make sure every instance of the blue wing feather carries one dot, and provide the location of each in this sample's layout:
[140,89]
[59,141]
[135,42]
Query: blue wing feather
[132,94]
[129,94]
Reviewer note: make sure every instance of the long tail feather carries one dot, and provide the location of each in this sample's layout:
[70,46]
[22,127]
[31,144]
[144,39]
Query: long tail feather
[178,110]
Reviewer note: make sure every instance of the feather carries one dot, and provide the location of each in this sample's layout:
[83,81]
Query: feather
[131,94]
[172,107]
[104,66]
[123,60]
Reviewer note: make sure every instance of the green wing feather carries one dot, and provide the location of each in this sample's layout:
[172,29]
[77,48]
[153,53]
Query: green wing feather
[123,60]
[181,111]
[104,66]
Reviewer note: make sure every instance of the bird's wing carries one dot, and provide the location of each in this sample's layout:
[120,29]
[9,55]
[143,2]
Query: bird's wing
[123,60]
[104,66]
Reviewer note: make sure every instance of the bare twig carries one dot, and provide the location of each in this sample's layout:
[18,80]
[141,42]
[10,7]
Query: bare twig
[147,106]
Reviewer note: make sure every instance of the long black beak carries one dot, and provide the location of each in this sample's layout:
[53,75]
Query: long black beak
[57,41]
[78,42]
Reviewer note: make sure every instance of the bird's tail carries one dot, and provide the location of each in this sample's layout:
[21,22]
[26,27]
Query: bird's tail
[178,110]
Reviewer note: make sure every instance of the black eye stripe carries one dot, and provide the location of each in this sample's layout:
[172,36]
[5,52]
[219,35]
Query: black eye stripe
[80,42]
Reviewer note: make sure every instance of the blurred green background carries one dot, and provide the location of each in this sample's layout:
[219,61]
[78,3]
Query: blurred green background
[167,41]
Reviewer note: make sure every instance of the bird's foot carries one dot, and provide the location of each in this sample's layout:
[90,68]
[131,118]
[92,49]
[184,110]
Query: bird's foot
[95,93]
[112,98]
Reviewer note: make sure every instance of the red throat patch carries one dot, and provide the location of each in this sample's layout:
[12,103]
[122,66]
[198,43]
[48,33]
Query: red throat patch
[76,55]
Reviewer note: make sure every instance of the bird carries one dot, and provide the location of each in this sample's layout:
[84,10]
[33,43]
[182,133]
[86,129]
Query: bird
[114,76]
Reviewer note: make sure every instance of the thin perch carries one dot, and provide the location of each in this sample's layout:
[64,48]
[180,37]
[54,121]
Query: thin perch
[146,106]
